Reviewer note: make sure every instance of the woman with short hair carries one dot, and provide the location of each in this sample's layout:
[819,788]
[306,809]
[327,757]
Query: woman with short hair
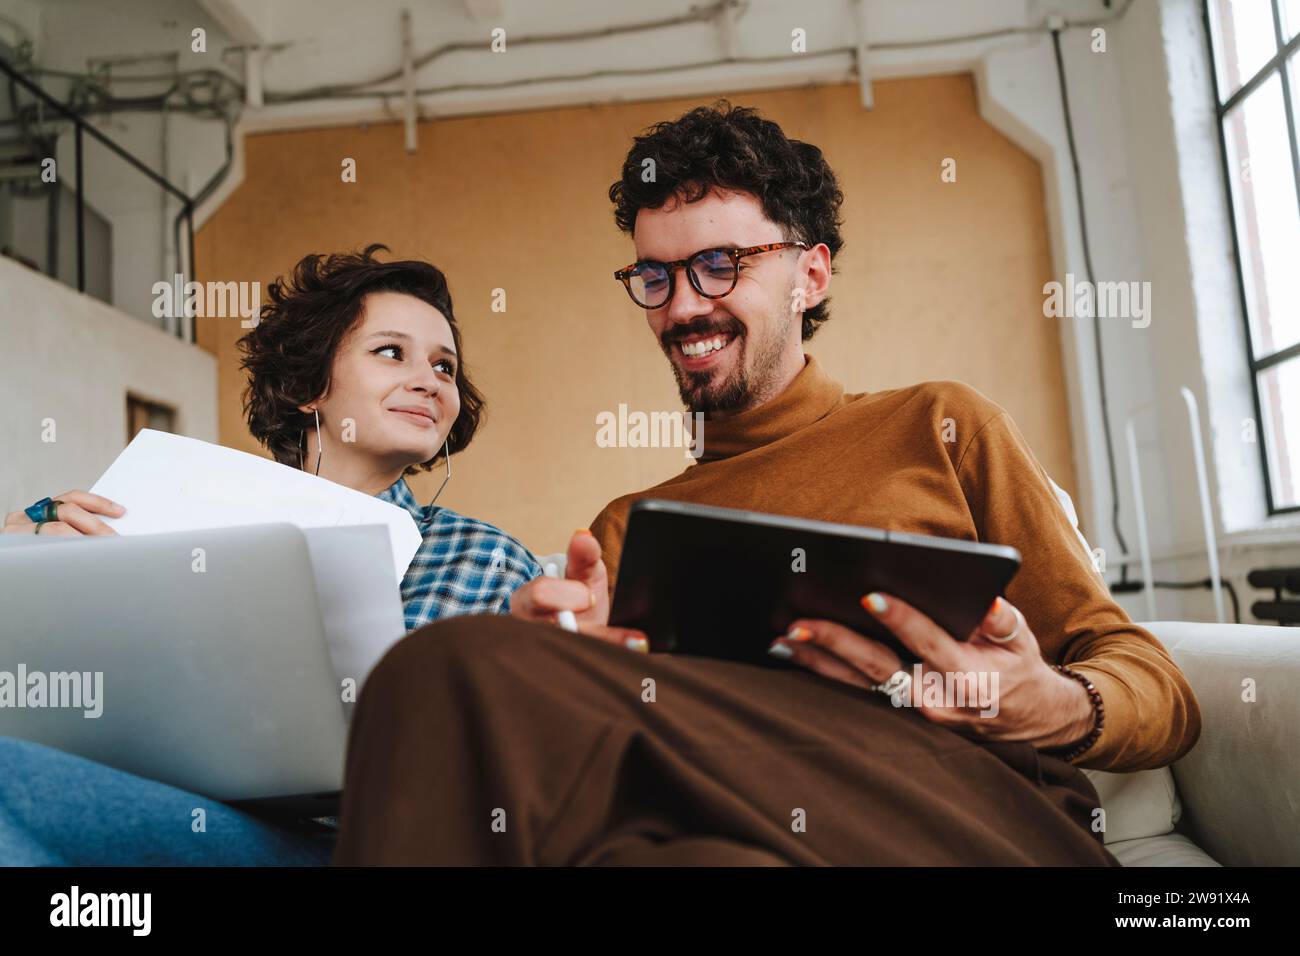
[356,373]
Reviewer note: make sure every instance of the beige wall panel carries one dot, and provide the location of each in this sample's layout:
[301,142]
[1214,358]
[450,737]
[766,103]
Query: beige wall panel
[936,280]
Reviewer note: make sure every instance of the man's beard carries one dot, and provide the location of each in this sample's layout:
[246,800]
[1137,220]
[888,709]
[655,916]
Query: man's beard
[700,394]
[703,392]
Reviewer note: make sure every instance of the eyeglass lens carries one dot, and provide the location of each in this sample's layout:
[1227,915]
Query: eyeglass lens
[713,271]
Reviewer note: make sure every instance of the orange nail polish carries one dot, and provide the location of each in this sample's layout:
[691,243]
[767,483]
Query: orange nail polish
[874,603]
[798,634]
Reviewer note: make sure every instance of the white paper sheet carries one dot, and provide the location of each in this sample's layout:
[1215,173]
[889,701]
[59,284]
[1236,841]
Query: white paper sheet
[173,483]
[359,604]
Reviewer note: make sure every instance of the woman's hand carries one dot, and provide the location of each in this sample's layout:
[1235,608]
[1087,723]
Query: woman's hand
[76,516]
[584,590]
[1017,696]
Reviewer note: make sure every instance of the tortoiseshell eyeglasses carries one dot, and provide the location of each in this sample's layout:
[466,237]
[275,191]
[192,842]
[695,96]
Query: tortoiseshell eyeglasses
[713,273]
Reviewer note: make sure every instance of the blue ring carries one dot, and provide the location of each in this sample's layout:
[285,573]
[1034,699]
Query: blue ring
[38,511]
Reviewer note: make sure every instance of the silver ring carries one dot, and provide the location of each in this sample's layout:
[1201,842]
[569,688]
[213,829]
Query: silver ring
[898,688]
[1020,623]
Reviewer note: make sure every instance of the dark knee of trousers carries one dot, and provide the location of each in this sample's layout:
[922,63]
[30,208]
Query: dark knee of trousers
[452,644]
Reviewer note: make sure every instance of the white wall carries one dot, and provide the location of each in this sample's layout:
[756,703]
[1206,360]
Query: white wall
[1148,149]
[1197,339]
[72,359]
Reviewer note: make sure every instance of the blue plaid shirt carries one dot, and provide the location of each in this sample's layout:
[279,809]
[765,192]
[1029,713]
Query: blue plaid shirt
[463,566]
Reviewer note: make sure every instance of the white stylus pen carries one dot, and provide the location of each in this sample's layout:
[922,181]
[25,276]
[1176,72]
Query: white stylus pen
[567,620]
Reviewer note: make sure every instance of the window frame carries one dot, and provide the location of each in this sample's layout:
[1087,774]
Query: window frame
[1276,65]
[138,407]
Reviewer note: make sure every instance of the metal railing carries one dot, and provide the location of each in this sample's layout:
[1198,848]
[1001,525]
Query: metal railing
[81,129]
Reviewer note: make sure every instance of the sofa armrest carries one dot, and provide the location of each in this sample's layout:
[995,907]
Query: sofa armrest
[1240,785]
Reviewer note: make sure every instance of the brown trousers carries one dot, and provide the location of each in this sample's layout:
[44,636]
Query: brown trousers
[489,740]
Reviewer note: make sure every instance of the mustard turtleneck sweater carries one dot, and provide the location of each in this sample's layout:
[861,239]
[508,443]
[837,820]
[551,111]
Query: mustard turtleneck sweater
[941,459]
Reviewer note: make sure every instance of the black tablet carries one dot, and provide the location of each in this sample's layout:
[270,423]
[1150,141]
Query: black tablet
[725,583]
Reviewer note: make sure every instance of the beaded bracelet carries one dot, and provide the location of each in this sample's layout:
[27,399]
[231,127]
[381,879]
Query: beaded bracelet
[1097,708]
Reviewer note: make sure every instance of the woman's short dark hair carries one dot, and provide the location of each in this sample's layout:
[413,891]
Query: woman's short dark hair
[732,147]
[289,354]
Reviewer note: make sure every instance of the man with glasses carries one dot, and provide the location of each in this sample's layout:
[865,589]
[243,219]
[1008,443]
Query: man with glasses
[511,741]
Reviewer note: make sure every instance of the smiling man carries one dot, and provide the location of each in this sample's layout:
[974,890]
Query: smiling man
[510,741]
[723,365]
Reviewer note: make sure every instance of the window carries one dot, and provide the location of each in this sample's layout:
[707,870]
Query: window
[1256,61]
[142,413]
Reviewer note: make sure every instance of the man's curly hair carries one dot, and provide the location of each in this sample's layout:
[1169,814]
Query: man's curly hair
[732,147]
[289,354]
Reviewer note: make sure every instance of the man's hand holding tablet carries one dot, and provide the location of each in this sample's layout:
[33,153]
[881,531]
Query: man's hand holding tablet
[584,591]
[1033,703]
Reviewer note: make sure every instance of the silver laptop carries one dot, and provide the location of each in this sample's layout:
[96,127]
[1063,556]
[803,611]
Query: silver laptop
[196,658]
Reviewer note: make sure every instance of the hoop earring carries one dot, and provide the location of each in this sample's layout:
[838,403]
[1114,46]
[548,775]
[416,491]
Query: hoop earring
[446,449]
[302,441]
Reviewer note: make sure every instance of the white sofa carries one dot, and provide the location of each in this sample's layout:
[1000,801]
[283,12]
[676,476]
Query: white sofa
[1234,799]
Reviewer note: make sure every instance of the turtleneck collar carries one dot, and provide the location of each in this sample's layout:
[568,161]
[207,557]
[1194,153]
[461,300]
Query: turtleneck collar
[809,398]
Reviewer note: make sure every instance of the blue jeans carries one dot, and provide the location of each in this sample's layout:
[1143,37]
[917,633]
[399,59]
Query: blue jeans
[57,809]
